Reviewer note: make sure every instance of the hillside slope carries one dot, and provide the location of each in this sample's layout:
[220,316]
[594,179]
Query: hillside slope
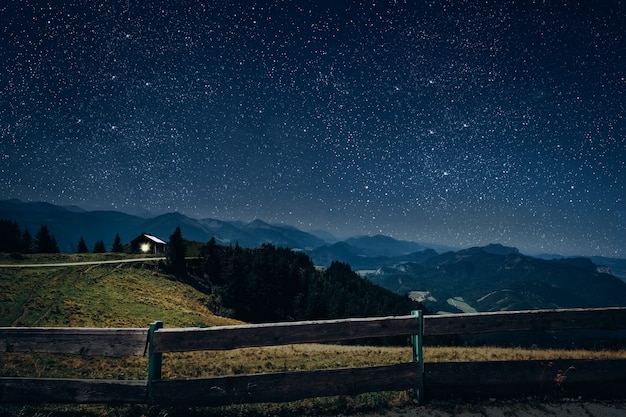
[110,295]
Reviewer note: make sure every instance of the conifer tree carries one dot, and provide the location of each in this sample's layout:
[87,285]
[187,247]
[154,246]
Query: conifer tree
[117,244]
[175,254]
[26,242]
[45,242]
[10,235]
[99,247]
[211,263]
[82,246]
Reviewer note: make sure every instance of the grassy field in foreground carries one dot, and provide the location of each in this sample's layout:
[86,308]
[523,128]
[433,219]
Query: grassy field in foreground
[255,360]
[133,295]
[268,359]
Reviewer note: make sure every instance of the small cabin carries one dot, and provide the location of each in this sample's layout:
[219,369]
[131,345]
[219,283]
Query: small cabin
[148,244]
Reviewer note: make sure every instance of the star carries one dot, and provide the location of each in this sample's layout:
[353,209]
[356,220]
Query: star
[457,124]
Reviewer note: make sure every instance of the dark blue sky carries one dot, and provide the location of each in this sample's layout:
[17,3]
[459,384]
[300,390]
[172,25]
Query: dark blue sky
[453,122]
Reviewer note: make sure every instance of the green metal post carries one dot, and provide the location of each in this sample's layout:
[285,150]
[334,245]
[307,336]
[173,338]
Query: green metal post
[416,340]
[155,360]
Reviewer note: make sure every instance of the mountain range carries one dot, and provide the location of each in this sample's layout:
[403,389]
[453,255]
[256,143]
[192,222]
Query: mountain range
[69,223]
[490,278]
[495,278]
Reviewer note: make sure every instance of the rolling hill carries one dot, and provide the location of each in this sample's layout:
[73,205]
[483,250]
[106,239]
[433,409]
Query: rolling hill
[108,295]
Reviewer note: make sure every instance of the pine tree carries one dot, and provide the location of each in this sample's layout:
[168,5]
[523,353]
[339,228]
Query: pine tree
[82,246]
[26,242]
[175,254]
[211,263]
[10,235]
[99,247]
[117,244]
[45,242]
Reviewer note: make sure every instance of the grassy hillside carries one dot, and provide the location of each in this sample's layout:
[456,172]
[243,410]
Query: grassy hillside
[108,295]
[133,295]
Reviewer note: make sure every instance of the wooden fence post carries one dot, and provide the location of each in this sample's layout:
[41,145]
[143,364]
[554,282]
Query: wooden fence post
[418,356]
[155,360]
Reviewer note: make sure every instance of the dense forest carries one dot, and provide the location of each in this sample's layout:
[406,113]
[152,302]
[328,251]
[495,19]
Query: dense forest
[276,284]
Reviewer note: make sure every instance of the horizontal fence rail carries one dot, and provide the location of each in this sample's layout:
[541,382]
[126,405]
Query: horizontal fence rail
[275,334]
[287,386]
[598,378]
[611,318]
[66,391]
[77,341]
[591,378]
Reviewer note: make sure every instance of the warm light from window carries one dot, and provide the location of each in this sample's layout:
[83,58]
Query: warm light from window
[145,247]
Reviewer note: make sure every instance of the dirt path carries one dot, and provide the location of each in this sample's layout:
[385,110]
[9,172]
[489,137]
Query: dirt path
[79,263]
[530,408]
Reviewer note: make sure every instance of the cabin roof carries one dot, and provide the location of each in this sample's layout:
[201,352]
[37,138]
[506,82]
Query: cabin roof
[154,239]
[149,237]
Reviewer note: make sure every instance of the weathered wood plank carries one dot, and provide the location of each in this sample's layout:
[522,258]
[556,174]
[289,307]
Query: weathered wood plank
[563,377]
[282,387]
[273,334]
[84,391]
[79,341]
[531,320]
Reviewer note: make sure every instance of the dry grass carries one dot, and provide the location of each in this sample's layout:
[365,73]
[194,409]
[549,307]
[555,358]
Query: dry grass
[490,353]
[267,360]
[114,295]
[256,360]
[318,356]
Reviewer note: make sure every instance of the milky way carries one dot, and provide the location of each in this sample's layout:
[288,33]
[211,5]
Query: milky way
[452,122]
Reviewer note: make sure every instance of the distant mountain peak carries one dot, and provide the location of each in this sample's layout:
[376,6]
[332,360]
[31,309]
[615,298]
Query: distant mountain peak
[498,249]
[258,224]
[173,214]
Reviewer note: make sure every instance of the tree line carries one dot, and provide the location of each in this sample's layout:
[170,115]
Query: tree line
[269,284]
[15,240]
[99,246]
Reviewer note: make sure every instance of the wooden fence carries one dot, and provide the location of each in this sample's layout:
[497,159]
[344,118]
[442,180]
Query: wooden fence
[597,378]
[570,378]
[275,387]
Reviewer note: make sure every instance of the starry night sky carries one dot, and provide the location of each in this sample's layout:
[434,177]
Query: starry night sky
[451,122]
